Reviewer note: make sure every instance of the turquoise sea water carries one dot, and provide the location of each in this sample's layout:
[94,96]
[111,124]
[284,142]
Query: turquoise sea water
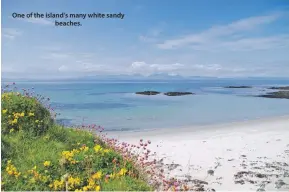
[114,105]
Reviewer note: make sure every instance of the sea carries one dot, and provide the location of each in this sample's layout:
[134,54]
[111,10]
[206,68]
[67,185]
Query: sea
[115,106]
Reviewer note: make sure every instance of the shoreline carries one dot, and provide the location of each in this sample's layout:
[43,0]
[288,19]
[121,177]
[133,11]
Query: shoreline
[196,129]
[250,155]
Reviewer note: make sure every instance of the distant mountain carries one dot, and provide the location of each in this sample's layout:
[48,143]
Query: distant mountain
[159,76]
[165,76]
[137,77]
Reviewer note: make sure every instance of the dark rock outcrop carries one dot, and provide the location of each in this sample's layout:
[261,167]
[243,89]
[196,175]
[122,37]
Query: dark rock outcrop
[238,87]
[280,88]
[278,94]
[148,93]
[210,172]
[178,93]
[279,184]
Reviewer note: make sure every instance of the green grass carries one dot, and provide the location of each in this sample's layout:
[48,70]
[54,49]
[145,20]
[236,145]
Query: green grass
[52,157]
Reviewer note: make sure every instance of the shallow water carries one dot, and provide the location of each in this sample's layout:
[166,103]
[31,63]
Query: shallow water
[114,105]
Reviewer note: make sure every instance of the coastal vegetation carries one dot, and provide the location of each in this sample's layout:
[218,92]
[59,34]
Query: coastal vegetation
[38,154]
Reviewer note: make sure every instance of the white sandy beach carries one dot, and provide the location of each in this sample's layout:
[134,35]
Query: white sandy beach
[245,156]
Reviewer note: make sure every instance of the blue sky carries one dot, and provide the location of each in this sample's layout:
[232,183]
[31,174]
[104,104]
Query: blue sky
[186,37]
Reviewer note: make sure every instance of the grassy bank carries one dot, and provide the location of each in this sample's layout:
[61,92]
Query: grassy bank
[38,154]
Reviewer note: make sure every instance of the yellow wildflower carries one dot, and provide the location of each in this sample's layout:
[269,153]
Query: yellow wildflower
[68,155]
[57,185]
[17,115]
[85,188]
[74,151]
[10,172]
[84,148]
[73,162]
[97,188]
[73,182]
[4,111]
[106,151]
[14,121]
[47,163]
[122,171]
[11,130]
[97,175]
[91,182]
[17,174]
[112,175]
[11,169]
[44,178]
[30,114]
[97,148]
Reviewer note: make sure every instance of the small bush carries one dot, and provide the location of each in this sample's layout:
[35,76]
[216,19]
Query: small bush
[21,112]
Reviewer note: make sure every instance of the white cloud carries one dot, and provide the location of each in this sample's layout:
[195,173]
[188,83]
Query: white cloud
[63,68]
[138,64]
[144,68]
[219,34]
[208,67]
[260,43]
[11,33]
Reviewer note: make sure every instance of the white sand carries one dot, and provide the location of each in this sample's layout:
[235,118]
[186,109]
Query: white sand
[225,149]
